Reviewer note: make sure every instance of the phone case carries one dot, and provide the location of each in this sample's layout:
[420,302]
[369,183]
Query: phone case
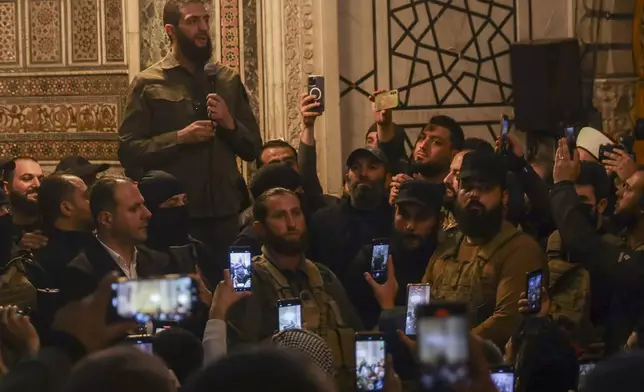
[387,100]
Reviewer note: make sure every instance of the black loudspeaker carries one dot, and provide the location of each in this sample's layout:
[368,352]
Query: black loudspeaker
[547,84]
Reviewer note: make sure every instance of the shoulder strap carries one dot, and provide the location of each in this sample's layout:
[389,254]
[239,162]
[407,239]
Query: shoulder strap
[278,281]
[559,271]
[499,241]
[323,299]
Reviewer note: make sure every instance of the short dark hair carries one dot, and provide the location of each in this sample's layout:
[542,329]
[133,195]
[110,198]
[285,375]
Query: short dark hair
[172,10]
[477,144]
[102,194]
[260,208]
[275,143]
[54,189]
[7,175]
[594,174]
[456,135]
[181,350]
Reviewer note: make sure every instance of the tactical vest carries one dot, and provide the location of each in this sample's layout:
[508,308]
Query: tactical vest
[15,288]
[465,280]
[321,314]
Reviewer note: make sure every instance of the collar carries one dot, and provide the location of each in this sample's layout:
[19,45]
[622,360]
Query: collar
[120,260]
[270,256]
[169,61]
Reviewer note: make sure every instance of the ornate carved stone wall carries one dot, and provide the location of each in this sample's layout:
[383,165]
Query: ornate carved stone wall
[63,77]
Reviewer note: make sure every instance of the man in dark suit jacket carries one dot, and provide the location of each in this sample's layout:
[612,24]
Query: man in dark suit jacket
[122,222]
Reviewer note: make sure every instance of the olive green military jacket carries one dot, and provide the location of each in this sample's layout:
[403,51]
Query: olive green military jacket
[166,98]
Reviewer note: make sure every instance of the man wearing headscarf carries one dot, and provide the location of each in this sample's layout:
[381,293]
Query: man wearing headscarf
[168,229]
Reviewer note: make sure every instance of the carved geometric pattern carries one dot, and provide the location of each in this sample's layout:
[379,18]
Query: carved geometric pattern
[230,33]
[53,150]
[8,33]
[114,48]
[455,76]
[43,86]
[84,26]
[45,35]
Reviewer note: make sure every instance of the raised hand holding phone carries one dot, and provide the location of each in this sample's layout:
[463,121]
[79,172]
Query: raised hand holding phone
[385,293]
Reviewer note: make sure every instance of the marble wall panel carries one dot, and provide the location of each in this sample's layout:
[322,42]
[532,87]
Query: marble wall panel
[9,25]
[84,30]
[45,23]
[154,41]
[251,55]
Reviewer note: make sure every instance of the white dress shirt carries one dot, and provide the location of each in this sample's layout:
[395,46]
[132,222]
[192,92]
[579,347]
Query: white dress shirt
[130,272]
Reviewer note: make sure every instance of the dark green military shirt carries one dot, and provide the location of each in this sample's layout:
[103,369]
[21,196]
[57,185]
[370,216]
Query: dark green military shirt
[166,98]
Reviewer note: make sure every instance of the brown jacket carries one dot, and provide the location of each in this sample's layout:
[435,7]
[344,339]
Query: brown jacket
[489,277]
[166,98]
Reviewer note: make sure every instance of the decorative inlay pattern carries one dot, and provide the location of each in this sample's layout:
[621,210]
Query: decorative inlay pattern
[47,86]
[84,26]
[8,32]
[45,31]
[251,53]
[114,48]
[55,150]
[230,33]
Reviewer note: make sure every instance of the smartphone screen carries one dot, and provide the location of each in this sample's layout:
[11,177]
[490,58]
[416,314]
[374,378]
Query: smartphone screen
[240,267]
[171,298]
[443,345]
[142,343]
[316,89]
[379,256]
[370,362]
[505,129]
[289,314]
[417,294]
[503,378]
[533,290]
[584,371]
[571,138]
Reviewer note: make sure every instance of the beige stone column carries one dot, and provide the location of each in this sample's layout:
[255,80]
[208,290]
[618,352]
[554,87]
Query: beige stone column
[299,38]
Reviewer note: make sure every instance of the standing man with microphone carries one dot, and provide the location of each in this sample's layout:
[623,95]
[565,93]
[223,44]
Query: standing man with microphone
[191,118]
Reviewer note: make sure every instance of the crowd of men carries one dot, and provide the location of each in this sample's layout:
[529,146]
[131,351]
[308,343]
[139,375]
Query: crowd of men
[468,218]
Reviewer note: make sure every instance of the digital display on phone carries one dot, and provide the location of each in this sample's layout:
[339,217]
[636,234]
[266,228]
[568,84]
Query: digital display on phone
[169,298]
[379,256]
[503,379]
[240,268]
[370,362]
[584,370]
[443,346]
[145,347]
[417,294]
[534,290]
[289,315]
[505,126]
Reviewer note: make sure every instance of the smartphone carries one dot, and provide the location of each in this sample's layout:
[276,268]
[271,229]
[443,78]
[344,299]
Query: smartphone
[534,282]
[316,89]
[417,294]
[169,298]
[370,362]
[141,342]
[604,149]
[505,128]
[240,267]
[571,139]
[639,129]
[289,314]
[387,100]
[585,368]
[159,326]
[503,378]
[443,345]
[379,257]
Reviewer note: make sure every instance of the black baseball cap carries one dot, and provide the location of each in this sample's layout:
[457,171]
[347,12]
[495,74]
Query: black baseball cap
[79,166]
[421,192]
[484,166]
[7,164]
[368,152]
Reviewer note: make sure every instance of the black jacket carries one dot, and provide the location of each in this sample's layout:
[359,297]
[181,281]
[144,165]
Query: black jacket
[82,275]
[338,232]
[621,265]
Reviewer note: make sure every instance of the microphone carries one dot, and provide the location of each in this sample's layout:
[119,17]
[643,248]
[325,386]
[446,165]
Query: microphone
[211,70]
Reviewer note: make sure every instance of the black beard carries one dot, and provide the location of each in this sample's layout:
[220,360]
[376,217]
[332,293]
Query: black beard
[624,220]
[428,170]
[479,224]
[400,238]
[21,203]
[192,52]
[286,247]
[367,195]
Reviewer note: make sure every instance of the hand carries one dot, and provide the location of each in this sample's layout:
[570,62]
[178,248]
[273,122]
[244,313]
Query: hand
[33,240]
[85,319]
[411,344]
[545,304]
[385,293]
[620,162]
[307,105]
[381,117]
[225,296]
[17,331]
[197,132]
[566,167]
[392,381]
[205,295]
[394,186]
[513,145]
[218,111]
